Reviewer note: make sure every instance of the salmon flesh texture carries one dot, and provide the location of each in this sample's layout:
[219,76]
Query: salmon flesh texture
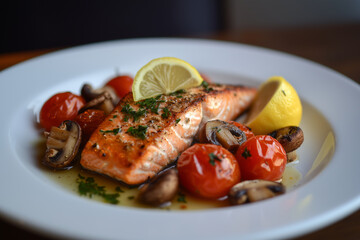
[139,139]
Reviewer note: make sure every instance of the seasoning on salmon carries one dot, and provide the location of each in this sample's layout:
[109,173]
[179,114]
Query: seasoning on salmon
[139,139]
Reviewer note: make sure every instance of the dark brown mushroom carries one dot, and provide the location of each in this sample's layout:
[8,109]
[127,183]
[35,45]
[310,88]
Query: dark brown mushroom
[222,133]
[62,145]
[254,190]
[89,93]
[160,189]
[290,138]
[102,102]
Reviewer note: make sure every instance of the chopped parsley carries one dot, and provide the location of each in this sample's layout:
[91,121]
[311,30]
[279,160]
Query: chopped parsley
[130,112]
[283,92]
[181,197]
[88,187]
[213,157]
[139,132]
[151,104]
[118,189]
[246,153]
[206,87]
[178,92]
[131,197]
[114,131]
[177,120]
[166,113]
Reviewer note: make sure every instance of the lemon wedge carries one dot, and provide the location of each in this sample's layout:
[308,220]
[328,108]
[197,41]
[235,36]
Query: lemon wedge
[163,76]
[275,106]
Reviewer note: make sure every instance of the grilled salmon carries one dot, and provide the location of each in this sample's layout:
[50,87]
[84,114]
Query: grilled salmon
[139,139]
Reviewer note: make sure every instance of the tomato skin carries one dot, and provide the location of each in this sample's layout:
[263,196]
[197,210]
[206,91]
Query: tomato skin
[261,157]
[121,84]
[245,129]
[198,176]
[89,121]
[60,107]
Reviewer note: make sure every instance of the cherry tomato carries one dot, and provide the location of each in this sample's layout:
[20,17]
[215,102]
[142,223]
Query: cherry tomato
[89,121]
[243,128]
[208,170]
[60,107]
[261,157]
[121,84]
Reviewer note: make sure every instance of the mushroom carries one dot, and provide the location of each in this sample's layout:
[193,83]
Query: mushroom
[62,145]
[291,156]
[222,133]
[290,138]
[102,102]
[254,190]
[160,189]
[89,93]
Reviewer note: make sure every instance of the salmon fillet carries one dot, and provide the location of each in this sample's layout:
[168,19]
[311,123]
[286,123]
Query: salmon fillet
[139,139]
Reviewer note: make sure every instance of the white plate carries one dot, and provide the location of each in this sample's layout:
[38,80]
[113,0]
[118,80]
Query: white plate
[328,191]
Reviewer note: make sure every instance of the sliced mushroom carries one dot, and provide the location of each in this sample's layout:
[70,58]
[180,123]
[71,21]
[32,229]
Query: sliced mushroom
[89,93]
[102,102]
[160,189]
[62,145]
[254,190]
[291,156]
[223,133]
[290,138]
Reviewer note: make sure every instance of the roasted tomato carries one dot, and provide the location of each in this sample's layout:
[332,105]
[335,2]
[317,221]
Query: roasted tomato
[208,170]
[60,107]
[121,84]
[89,121]
[243,128]
[261,157]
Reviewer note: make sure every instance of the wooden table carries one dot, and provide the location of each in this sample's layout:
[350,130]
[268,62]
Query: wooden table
[334,46]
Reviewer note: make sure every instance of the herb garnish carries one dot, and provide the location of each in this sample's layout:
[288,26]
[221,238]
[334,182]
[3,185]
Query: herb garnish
[178,92]
[181,197]
[129,111]
[151,104]
[166,113]
[206,87]
[283,92]
[213,157]
[246,153]
[114,131]
[88,187]
[139,132]
[177,120]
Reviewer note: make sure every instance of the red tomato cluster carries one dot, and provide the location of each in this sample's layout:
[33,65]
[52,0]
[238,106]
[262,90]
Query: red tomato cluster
[210,171]
[66,105]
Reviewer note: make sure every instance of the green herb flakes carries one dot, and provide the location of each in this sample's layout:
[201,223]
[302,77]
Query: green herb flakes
[246,153]
[88,187]
[213,157]
[166,113]
[177,120]
[181,197]
[139,132]
[114,131]
[206,87]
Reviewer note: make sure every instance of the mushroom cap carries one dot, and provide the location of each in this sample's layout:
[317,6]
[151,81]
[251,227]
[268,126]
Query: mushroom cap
[62,145]
[254,190]
[160,189]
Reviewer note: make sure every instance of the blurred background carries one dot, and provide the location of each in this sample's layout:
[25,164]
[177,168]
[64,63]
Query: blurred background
[28,25]
[324,31]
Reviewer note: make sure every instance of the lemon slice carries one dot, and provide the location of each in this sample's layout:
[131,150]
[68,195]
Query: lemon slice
[276,105]
[163,76]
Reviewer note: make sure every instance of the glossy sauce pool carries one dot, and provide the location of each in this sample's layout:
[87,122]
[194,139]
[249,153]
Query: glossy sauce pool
[68,179]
